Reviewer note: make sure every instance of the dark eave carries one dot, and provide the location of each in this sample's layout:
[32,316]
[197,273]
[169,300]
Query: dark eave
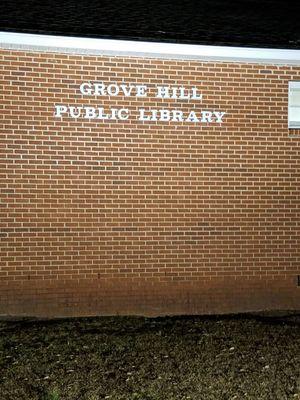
[249,23]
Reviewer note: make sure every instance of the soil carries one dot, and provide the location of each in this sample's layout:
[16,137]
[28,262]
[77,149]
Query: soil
[250,356]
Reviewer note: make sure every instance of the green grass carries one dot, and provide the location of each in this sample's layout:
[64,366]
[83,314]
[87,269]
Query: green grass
[136,358]
[52,395]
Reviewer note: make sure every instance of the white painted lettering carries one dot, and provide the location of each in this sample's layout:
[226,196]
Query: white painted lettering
[206,116]
[142,116]
[74,110]
[90,112]
[126,90]
[192,117]
[154,115]
[123,114]
[114,113]
[182,94]
[141,91]
[59,110]
[219,115]
[174,92]
[99,89]
[177,115]
[164,115]
[101,114]
[113,90]
[163,92]
[85,88]
[194,94]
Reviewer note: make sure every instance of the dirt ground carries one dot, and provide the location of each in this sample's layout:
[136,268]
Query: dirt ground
[251,356]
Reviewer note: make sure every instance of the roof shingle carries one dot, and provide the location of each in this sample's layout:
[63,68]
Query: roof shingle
[252,23]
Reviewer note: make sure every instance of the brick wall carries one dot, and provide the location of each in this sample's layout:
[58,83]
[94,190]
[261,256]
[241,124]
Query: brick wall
[132,217]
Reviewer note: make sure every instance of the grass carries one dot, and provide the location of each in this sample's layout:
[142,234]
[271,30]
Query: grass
[135,358]
[52,394]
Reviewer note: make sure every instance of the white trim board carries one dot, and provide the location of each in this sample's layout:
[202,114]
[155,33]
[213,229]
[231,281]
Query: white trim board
[111,47]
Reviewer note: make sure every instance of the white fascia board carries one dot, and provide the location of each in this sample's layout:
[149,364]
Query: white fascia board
[294,85]
[79,45]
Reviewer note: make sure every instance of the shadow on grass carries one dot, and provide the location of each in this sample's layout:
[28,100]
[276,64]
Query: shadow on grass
[255,356]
